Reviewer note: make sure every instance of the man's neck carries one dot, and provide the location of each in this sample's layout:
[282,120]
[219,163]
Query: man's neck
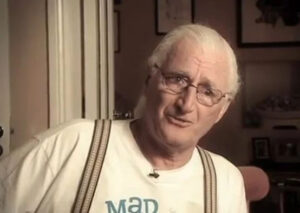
[161,157]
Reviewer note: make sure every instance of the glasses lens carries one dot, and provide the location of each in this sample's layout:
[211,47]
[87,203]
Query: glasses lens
[208,96]
[175,84]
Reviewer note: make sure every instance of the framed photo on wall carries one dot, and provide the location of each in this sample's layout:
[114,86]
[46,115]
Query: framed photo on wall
[268,23]
[169,14]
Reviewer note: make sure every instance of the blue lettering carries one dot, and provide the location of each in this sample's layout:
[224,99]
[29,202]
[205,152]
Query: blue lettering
[136,205]
[135,208]
[111,207]
[154,205]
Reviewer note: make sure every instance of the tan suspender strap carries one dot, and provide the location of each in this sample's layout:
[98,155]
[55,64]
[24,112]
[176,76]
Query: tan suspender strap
[93,167]
[209,182]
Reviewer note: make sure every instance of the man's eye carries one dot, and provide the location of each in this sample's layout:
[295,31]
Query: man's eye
[209,92]
[176,79]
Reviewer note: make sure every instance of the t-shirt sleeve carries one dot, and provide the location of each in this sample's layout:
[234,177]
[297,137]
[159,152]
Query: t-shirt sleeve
[25,175]
[230,187]
[238,202]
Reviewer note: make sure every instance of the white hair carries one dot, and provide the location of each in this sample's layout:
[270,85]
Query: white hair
[207,39]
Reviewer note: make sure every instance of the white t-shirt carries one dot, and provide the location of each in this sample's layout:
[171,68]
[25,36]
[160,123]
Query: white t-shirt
[44,176]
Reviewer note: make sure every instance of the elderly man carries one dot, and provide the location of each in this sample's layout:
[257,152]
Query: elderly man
[151,164]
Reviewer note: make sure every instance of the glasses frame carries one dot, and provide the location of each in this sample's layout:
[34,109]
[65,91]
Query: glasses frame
[189,84]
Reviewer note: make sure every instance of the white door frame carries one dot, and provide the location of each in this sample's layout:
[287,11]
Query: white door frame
[64,61]
[81,59]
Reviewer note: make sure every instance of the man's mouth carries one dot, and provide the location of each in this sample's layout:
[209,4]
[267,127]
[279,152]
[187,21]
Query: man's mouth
[178,121]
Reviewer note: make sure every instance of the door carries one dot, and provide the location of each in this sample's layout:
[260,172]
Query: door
[4,80]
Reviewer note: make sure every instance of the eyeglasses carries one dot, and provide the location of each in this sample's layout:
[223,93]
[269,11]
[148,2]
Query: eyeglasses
[177,84]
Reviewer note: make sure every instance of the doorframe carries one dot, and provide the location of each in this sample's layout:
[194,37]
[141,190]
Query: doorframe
[64,64]
[80,59]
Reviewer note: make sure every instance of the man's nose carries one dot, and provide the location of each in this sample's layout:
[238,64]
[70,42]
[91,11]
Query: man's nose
[186,100]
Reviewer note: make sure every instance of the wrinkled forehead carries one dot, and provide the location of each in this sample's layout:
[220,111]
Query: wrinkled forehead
[200,63]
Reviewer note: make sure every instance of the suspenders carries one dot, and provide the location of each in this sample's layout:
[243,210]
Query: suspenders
[94,164]
[210,182]
[93,167]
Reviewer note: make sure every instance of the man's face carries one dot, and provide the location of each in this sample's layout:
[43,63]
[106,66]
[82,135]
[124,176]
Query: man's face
[178,121]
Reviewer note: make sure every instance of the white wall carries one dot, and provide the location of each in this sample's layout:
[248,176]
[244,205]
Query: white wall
[28,69]
[4,76]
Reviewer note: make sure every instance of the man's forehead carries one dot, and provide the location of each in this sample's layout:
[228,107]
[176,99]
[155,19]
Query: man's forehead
[195,58]
[201,55]
[190,59]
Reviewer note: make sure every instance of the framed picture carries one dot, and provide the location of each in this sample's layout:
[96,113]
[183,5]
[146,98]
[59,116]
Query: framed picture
[169,14]
[261,148]
[116,31]
[268,23]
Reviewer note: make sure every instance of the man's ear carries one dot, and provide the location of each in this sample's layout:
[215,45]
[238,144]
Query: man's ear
[147,79]
[223,110]
[151,73]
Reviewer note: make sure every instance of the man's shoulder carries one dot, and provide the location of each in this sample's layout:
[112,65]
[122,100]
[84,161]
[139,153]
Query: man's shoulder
[73,127]
[54,144]
[217,158]
[67,135]
[69,140]
[224,166]
[78,132]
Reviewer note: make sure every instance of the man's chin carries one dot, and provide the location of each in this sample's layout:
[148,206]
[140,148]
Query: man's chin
[176,139]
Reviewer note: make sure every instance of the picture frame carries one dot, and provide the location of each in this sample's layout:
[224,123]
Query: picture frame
[261,148]
[117,45]
[262,24]
[170,14]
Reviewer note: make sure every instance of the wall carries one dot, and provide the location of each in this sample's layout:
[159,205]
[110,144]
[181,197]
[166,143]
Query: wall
[28,69]
[229,138]
[137,39]
[4,77]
